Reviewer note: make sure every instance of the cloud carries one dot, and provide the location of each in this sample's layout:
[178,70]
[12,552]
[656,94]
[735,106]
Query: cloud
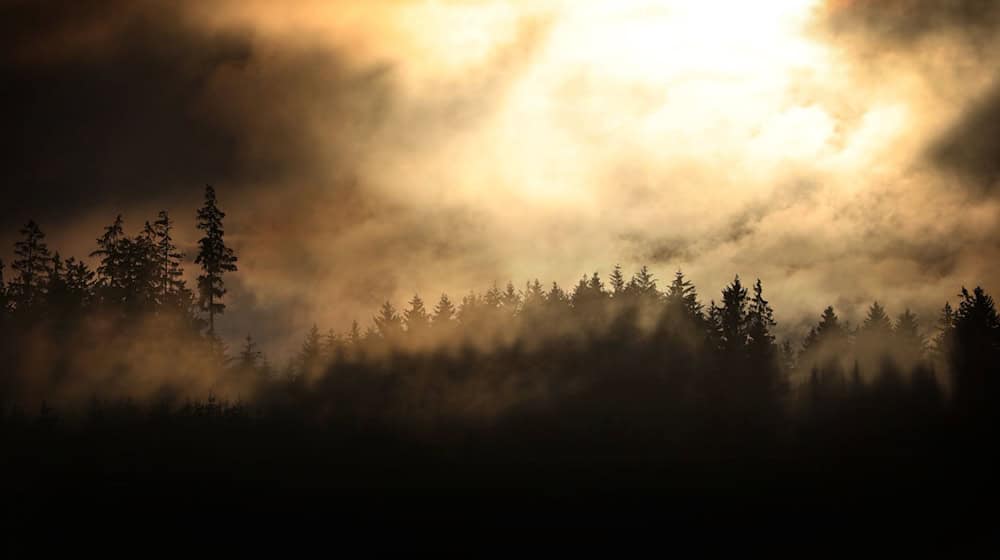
[365,151]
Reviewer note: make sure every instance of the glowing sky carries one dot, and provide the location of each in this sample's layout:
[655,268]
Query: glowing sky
[367,150]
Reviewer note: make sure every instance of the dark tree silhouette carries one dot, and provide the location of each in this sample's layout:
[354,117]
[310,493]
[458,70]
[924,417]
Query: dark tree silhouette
[617,281]
[214,257]
[682,299]
[416,318]
[760,321]
[977,340]
[732,318]
[906,334]
[444,313]
[388,322]
[310,357]
[31,265]
[170,286]
[643,284]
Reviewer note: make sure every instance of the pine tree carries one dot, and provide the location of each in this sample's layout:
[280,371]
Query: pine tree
[141,272]
[388,322]
[493,299]
[511,300]
[416,318]
[977,348]
[444,313]
[534,298]
[944,339]
[111,270]
[79,282]
[760,321]
[617,281]
[470,311]
[877,322]
[643,284]
[733,317]
[556,298]
[581,293]
[829,324]
[682,297]
[171,289]
[214,257]
[906,333]
[31,263]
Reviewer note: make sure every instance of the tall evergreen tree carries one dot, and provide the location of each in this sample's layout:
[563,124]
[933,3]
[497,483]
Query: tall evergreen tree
[388,322]
[976,352]
[944,339]
[214,257]
[643,284]
[556,298]
[877,322]
[733,317]
[906,333]
[511,300]
[534,298]
[617,281]
[416,318]
[682,299]
[760,321]
[31,263]
[444,312]
[111,270]
[170,286]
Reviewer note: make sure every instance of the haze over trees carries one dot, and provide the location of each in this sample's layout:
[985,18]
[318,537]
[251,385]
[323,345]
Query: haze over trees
[629,369]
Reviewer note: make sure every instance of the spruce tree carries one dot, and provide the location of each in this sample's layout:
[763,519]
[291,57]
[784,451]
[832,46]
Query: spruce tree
[416,317]
[643,284]
[733,317]
[388,322]
[31,263]
[171,289]
[906,333]
[214,257]
[682,299]
[617,281]
[444,312]
[760,321]
[111,270]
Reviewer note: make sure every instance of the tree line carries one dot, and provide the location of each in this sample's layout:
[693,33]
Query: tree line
[140,279]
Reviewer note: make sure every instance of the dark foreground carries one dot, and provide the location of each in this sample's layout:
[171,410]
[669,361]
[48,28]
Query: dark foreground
[837,473]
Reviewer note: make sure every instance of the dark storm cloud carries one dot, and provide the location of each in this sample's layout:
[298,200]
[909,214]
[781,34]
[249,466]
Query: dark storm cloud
[110,116]
[110,103]
[954,44]
[907,21]
[972,147]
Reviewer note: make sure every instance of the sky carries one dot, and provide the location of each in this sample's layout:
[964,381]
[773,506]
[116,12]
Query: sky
[841,151]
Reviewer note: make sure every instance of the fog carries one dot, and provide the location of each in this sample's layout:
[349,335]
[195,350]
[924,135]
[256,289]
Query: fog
[841,151]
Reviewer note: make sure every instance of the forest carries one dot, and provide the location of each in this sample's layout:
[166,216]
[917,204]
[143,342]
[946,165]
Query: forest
[531,400]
